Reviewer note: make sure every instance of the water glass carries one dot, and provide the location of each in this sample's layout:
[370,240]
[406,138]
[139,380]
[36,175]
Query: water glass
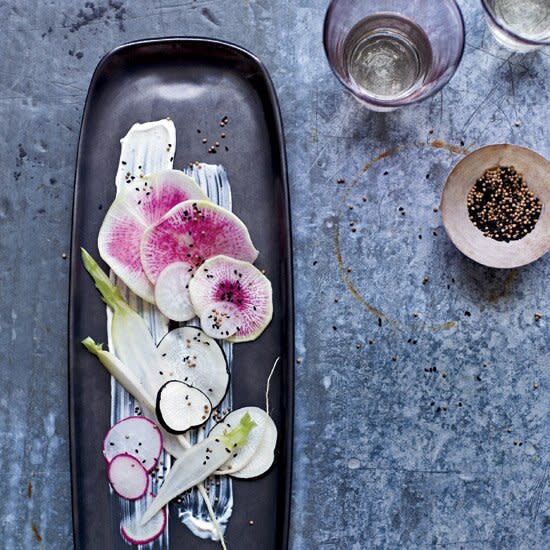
[520,25]
[390,53]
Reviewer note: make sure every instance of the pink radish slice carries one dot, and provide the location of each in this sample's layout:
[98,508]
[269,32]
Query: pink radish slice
[220,320]
[135,436]
[134,533]
[192,232]
[234,292]
[128,477]
[137,206]
[172,292]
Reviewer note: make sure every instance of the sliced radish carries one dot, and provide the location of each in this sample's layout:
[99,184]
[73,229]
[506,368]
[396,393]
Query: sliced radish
[192,232]
[135,208]
[198,463]
[128,477]
[172,292]
[232,291]
[135,436]
[264,456]
[181,407]
[198,360]
[221,320]
[256,455]
[134,532]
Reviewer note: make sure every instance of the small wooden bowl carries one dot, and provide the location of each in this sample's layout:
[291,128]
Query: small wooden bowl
[467,237]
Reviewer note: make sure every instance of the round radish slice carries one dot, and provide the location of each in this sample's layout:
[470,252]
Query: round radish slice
[264,456]
[136,436]
[135,208]
[128,477]
[135,533]
[192,232]
[221,320]
[172,292]
[248,452]
[197,360]
[233,292]
[181,407]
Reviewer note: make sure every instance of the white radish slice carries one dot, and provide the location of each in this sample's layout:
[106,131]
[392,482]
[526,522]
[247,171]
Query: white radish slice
[135,436]
[197,360]
[256,449]
[181,407]
[236,291]
[263,458]
[135,533]
[192,232]
[128,477]
[137,206]
[172,292]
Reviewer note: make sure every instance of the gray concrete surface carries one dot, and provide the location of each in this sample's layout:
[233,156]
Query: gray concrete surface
[390,453]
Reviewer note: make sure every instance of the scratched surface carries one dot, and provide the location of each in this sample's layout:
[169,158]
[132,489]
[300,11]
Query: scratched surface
[422,406]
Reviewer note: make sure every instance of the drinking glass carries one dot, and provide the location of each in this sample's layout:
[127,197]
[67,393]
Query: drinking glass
[390,53]
[521,25]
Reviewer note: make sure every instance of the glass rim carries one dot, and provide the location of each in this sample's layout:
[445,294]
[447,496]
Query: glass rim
[407,100]
[507,30]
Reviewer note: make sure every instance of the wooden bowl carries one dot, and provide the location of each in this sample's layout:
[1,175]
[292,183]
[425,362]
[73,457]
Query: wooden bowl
[467,237]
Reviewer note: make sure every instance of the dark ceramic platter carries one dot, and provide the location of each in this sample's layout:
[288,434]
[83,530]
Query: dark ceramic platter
[195,82]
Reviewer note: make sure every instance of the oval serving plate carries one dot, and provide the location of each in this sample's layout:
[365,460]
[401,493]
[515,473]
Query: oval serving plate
[196,82]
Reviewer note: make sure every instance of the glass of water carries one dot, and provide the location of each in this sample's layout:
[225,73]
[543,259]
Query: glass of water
[390,53]
[521,25]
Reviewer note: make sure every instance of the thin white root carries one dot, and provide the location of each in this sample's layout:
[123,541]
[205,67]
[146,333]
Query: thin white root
[204,494]
[268,383]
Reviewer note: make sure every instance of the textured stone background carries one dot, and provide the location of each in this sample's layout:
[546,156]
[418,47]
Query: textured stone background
[426,429]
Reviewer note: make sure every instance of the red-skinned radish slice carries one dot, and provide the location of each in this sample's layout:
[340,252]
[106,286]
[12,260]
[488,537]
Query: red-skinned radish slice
[197,360]
[136,207]
[135,533]
[135,436]
[181,407]
[232,292]
[128,477]
[257,454]
[192,232]
[172,292]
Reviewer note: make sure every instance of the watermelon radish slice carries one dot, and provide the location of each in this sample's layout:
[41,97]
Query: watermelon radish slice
[181,407]
[198,360]
[135,208]
[233,292]
[128,477]
[221,320]
[134,532]
[253,448]
[192,232]
[172,292]
[135,436]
